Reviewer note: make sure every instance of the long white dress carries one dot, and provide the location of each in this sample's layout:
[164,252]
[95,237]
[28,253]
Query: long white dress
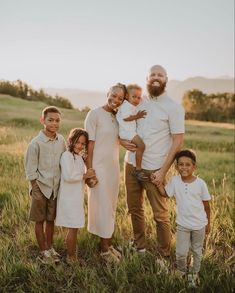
[70,209]
[102,128]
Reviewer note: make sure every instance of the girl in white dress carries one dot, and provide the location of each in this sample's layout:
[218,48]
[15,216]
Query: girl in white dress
[103,156]
[70,211]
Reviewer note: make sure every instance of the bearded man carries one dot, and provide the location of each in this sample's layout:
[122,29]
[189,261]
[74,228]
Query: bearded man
[162,131]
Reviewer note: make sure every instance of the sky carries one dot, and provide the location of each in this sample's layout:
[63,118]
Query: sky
[92,44]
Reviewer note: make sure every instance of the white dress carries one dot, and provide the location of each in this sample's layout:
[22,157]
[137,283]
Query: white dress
[102,128]
[70,210]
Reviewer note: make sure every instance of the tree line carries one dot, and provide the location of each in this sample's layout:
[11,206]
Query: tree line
[218,107]
[20,89]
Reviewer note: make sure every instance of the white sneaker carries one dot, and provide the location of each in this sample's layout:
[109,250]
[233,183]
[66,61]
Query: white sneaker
[193,280]
[163,266]
[55,255]
[45,257]
[134,248]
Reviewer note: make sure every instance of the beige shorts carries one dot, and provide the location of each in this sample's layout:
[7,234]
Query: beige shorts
[42,208]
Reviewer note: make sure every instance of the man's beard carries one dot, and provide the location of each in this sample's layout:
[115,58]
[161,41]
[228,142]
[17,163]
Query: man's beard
[155,91]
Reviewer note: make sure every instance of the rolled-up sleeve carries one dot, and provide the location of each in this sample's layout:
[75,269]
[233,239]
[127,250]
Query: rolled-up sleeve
[31,162]
[69,169]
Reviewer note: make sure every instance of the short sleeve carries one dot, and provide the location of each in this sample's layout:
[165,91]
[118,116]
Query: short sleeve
[90,124]
[205,195]
[176,119]
[170,187]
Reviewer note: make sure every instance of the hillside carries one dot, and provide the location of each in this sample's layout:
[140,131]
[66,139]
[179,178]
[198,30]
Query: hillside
[176,89]
[22,272]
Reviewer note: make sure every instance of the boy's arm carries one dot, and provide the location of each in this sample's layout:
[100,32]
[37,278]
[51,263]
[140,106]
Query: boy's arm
[208,214]
[162,190]
[138,115]
[31,164]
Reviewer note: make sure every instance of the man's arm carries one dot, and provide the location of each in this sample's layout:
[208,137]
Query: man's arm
[159,176]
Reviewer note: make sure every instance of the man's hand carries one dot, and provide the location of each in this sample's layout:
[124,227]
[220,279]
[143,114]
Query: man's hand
[158,178]
[208,229]
[128,145]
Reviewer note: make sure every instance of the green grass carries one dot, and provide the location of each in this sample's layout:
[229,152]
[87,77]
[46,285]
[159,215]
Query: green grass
[19,272]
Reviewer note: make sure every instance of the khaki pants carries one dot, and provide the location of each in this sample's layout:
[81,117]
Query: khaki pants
[135,199]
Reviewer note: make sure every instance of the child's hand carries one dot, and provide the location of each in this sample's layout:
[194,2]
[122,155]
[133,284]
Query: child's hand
[141,114]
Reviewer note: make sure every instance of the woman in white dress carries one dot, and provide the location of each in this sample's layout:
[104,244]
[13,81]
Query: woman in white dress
[103,157]
[70,211]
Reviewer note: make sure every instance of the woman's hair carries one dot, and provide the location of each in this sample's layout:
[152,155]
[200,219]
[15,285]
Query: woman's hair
[119,85]
[74,135]
[186,153]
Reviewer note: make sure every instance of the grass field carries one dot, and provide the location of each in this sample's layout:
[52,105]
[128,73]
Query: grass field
[19,272]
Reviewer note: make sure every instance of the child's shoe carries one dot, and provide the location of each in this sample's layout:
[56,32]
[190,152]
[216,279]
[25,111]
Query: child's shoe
[140,175]
[193,280]
[45,257]
[162,265]
[91,182]
[55,255]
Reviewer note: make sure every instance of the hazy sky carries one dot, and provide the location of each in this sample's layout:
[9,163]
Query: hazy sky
[91,44]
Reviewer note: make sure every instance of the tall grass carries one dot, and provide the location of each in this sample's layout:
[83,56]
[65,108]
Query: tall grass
[19,270]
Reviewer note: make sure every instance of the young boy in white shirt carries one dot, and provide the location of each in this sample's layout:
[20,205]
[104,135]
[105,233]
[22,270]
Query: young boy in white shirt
[193,213]
[126,116]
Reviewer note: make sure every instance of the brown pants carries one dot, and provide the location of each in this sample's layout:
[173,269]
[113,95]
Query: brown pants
[135,199]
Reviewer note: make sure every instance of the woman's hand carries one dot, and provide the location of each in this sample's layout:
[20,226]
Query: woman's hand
[128,145]
[89,174]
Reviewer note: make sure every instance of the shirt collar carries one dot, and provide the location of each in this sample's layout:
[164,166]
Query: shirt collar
[45,138]
[159,98]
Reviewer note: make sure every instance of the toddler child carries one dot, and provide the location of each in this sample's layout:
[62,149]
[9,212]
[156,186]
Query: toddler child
[126,116]
[42,165]
[193,213]
[70,211]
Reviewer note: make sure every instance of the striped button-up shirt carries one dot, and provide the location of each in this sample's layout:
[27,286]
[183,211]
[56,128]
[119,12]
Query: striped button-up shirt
[42,162]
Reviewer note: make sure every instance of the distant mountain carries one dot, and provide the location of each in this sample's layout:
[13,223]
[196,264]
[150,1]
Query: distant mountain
[175,88]
[80,98]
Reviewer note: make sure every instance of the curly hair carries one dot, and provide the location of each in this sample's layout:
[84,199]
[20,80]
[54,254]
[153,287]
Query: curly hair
[121,86]
[186,153]
[74,135]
